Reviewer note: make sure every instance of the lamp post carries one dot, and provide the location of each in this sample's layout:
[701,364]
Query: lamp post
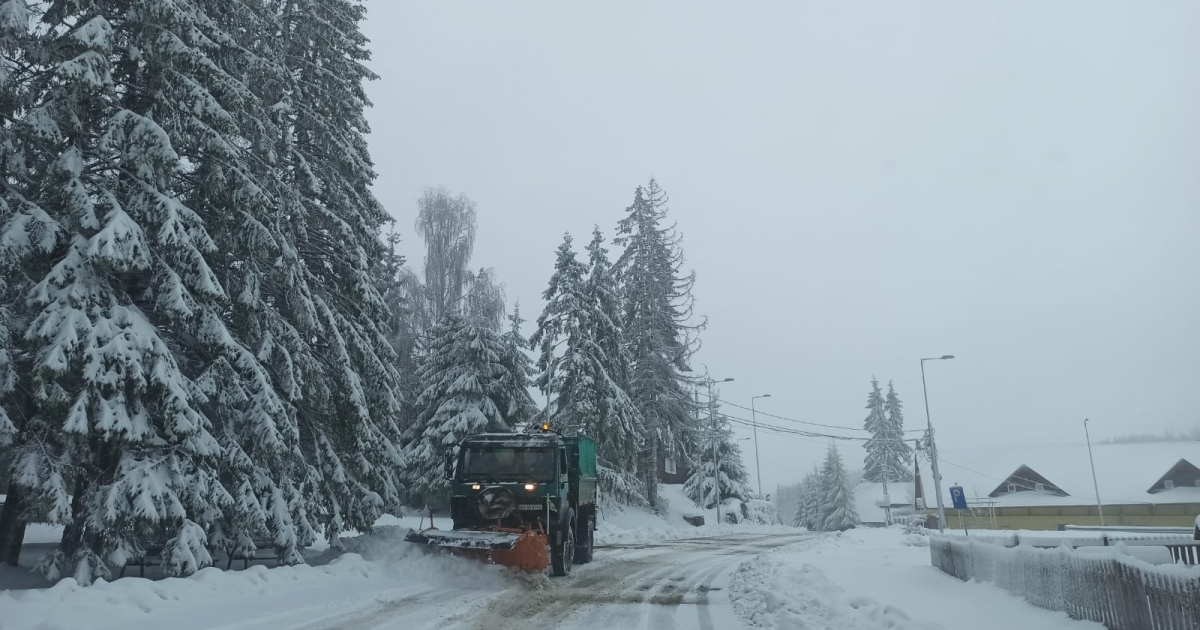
[754,423]
[933,454]
[1095,484]
[712,421]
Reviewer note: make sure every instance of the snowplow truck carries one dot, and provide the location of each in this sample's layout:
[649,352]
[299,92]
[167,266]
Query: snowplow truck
[524,500]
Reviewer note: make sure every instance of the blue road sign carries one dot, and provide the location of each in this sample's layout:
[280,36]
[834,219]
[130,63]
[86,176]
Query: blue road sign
[958,498]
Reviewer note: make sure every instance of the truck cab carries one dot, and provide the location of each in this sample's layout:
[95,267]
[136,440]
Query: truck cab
[540,481]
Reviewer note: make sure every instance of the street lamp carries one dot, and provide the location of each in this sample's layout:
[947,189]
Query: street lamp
[754,423]
[933,454]
[716,456]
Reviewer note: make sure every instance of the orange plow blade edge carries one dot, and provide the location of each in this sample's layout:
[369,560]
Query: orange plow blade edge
[531,553]
[526,550]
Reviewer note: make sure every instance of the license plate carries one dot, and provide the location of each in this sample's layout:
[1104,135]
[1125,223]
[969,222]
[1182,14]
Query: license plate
[529,506]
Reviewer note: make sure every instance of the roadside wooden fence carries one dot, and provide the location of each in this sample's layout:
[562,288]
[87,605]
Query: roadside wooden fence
[1122,594]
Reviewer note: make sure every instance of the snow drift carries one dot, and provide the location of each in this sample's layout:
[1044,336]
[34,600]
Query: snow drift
[770,594]
[374,564]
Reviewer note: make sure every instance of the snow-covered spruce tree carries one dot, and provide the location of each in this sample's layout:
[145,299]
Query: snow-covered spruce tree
[810,501]
[838,512]
[899,453]
[19,52]
[657,302]
[574,370]
[120,286]
[799,513]
[464,393]
[231,180]
[564,305]
[620,487]
[315,310]
[618,425]
[731,471]
[877,445]
[516,405]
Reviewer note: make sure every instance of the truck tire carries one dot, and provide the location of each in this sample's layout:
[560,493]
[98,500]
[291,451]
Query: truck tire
[586,541]
[562,551]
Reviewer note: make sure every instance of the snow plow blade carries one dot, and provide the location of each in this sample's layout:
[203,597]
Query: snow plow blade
[463,539]
[524,550]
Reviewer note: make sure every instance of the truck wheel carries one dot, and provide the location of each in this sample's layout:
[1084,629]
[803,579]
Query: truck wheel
[583,552]
[563,553]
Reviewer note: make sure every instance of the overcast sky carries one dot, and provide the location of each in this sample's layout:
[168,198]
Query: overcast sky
[858,185]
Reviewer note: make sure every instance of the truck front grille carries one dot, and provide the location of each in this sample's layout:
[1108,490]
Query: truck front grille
[461,507]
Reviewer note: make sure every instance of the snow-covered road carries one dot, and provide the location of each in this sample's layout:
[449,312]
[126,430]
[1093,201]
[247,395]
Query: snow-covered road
[678,584]
[675,584]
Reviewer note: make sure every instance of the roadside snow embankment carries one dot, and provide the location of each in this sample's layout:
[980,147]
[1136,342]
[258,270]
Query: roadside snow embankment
[893,568]
[373,564]
[770,594]
[637,526]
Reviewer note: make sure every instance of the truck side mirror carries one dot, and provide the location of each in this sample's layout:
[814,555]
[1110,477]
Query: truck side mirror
[448,469]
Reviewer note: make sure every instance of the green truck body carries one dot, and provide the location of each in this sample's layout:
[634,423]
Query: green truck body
[538,481]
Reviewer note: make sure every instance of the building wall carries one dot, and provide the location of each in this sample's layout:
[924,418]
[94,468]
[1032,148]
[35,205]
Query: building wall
[1051,517]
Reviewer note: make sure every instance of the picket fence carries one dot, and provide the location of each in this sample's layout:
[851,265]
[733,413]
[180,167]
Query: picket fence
[1121,593]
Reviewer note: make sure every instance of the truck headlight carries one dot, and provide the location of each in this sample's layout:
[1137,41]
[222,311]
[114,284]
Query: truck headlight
[530,487]
[474,486]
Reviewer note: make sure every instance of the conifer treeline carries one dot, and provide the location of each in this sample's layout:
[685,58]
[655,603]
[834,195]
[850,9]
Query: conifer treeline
[207,339]
[824,499]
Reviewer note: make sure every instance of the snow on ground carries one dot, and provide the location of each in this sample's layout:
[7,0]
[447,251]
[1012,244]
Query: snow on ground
[769,593]
[41,533]
[376,571]
[633,526]
[881,577]
[865,579]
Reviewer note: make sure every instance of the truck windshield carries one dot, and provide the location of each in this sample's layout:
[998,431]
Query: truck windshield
[508,463]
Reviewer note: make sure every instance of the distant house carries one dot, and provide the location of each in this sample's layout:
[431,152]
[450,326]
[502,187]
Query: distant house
[1045,486]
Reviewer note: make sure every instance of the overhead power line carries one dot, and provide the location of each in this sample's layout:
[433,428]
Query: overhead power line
[723,401]
[791,431]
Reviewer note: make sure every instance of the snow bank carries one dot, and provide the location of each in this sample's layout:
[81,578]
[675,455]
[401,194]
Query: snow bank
[888,566]
[373,563]
[610,534]
[636,526]
[770,594]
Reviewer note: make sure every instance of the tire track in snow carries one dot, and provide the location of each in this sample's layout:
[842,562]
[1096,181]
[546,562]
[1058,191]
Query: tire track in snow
[630,590]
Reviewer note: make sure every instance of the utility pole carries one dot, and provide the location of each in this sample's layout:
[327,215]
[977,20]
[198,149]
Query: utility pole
[754,422]
[933,454]
[1095,484]
[887,500]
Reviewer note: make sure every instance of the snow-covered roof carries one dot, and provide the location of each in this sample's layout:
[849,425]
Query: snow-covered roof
[1125,473]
